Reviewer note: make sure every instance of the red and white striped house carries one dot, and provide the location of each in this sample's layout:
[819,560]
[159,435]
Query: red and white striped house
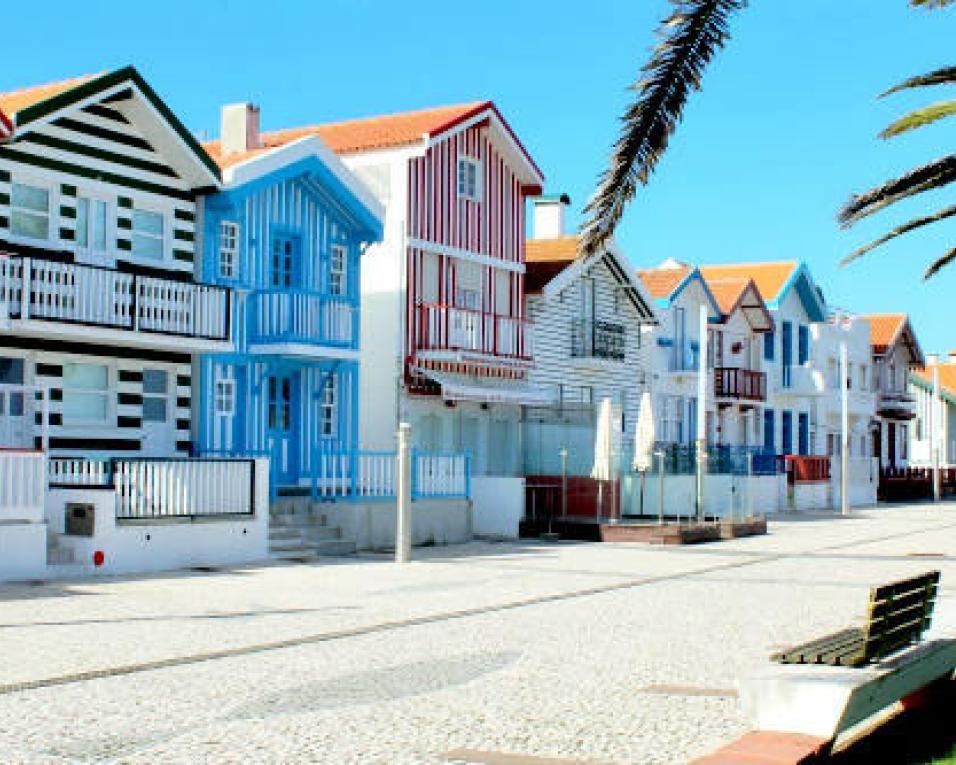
[446,344]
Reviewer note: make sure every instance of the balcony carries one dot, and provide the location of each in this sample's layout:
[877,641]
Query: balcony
[464,335]
[301,318]
[740,384]
[598,340]
[895,403]
[52,299]
[684,358]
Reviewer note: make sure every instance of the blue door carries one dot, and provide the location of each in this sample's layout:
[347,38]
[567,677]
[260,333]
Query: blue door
[284,261]
[691,435]
[769,443]
[787,353]
[281,397]
[803,433]
[787,432]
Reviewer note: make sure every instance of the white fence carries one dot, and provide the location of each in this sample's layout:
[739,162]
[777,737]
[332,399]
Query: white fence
[441,328]
[366,475]
[22,485]
[183,488]
[79,471]
[32,288]
[301,317]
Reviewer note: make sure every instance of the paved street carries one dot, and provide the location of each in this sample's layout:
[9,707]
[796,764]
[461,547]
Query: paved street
[595,653]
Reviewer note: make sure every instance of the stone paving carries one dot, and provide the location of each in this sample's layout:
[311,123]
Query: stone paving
[582,652]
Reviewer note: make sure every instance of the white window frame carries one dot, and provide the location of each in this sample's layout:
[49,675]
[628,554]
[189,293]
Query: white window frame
[328,425]
[339,270]
[473,193]
[108,232]
[166,397]
[230,233]
[52,205]
[164,238]
[223,393]
[107,392]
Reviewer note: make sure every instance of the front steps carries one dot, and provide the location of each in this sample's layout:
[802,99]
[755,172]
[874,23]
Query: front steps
[298,530]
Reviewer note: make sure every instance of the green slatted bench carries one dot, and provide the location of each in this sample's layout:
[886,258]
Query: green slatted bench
[896,617]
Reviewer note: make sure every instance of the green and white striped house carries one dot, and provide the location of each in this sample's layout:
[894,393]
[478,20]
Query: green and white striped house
[101,314]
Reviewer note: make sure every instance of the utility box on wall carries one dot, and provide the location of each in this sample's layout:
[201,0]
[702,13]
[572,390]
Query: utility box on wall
[79,519]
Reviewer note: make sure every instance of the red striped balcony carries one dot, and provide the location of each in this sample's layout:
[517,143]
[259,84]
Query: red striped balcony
[740,384]
[807,469]
[464,335]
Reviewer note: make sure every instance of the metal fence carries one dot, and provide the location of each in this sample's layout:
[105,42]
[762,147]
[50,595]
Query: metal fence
[371,475]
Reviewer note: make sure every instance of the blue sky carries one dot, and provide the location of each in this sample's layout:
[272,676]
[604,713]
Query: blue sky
[783,131]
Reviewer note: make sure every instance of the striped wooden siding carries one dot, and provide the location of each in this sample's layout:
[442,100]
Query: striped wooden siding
[99,146]
[554,365]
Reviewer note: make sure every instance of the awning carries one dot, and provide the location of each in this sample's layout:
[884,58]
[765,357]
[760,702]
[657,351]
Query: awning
[456,387]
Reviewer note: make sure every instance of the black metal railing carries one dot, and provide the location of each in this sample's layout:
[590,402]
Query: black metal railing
[598,339]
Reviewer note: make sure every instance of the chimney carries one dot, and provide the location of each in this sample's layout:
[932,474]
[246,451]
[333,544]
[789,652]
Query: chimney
[240,128]
[932,358]
[952,357]
[548,219]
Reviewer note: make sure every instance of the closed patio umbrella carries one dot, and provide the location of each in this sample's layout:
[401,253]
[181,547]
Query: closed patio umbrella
[607,448]
[644,441]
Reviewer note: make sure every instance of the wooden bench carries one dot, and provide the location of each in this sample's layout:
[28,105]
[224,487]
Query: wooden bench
[896,617]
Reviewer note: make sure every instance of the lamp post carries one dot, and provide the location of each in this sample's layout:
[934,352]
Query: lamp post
[701,410]
[844,431]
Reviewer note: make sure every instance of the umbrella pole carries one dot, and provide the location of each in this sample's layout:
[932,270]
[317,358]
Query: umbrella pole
[643,477]
[600,502]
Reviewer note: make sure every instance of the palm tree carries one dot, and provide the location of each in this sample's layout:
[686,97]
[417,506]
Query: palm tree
[691,36]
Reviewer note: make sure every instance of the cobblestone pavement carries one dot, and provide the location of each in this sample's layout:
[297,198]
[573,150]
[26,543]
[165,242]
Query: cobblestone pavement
[595,653]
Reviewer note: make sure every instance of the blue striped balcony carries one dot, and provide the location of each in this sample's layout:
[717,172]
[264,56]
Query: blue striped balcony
[301,317]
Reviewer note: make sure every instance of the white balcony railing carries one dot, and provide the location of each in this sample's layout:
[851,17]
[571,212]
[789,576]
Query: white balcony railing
[33,288]
[302,316]
[448,328]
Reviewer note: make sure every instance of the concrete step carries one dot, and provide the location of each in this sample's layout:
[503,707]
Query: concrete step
[276,533]
[297,519]
[335,548]
[295,543]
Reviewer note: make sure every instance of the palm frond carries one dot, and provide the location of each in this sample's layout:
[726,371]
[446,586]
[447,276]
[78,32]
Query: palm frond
[944,76]
[947,212]
[919,118]
[931,3]
[692,34]
[930,176]
[937,264]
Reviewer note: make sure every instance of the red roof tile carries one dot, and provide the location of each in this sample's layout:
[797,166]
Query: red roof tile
[661,282]
[16,100]
[769,277]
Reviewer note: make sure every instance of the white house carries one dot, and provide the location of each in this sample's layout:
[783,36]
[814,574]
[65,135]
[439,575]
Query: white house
[593,331]
[942,421]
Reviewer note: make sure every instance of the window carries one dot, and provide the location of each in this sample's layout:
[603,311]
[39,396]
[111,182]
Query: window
[91,216]
[769,440]
[768,346]
[803,433]
[85,393]
[30,211]
[468,179]
[148,237]
[11,373]
[329,406]
[224,397]
[803,344]
[338,270]
[787,425]
[155,392]
[228,249]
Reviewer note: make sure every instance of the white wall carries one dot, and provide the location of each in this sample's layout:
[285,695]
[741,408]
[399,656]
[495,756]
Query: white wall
[22,551]
[724,495]
[372,524]
[498,505]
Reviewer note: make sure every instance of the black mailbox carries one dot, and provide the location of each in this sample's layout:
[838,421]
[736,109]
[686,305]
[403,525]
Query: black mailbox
[79,519]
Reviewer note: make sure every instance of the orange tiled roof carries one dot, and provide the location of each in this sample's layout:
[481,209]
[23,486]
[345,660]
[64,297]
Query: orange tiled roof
[661,282]
[947,376]
[884,329]
[546,258]
[386,131]
[16,100]
[727,292]
[770,278]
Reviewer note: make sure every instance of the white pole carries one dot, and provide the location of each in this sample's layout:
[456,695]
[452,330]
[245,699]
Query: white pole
[403,526]
[701,410]
[844,432]
[936,420]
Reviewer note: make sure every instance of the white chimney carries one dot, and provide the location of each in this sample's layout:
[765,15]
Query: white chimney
[952,357]
[932,358]
[548,218]
[240,128]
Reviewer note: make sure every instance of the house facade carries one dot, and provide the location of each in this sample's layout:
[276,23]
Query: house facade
[940,419]
[287,233]
[593,337]
[895,352]
[101,310]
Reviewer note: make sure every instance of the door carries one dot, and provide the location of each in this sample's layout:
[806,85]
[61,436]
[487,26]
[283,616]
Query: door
[281,394]
[891,443]
[285,261]
[159,425]
[787,426]
[587,317]
[803,433]
[769,441]
[680,339]
[787,354]
[15,428]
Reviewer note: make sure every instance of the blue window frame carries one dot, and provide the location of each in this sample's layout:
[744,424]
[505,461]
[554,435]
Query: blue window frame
[786,354]
[787,423]
[803,433]
[769,442]
[284,261]
[803,344]
[768,341]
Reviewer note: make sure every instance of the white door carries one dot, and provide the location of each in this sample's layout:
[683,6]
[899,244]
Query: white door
[159,422]
[15,409]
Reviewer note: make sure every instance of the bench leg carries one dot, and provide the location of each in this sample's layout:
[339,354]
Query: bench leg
[770,748]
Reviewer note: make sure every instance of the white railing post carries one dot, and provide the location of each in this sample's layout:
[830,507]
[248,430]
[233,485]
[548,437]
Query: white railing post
[403,530]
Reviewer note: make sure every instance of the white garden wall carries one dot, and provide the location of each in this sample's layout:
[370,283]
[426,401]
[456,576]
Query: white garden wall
[372,524]
[498,505]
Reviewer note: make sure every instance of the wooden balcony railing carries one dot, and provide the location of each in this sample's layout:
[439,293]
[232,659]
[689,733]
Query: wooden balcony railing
[807,469]
[448,328]
[743,384]
[73,293]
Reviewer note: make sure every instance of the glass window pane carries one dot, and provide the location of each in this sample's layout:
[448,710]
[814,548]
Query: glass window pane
[146,246]
[29,224]
[148,222]
[85,376]
[11,371]
[84,407]
[15,408]
[31,197]
[83,222]
[154,409]
[99,225]
[155,381]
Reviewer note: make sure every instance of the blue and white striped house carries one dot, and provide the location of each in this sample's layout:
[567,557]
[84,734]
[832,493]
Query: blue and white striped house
[286,232]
